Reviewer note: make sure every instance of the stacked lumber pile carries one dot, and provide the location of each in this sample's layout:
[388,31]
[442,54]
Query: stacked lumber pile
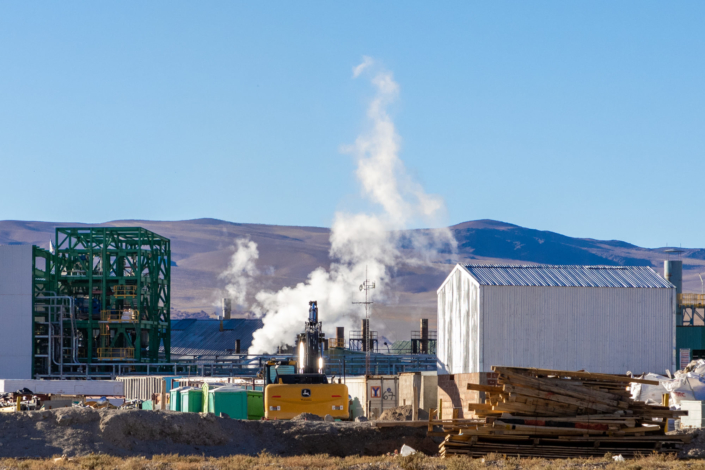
[562,414]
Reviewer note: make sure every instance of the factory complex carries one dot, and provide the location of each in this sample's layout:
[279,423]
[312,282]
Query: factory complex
[90,318]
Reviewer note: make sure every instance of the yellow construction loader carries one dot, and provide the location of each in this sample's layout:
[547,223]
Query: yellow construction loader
[295,387]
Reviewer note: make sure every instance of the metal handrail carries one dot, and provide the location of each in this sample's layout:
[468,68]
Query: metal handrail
[336,342]
[246,366]
[123,291]
[127,315]
[116,353]
[696,300]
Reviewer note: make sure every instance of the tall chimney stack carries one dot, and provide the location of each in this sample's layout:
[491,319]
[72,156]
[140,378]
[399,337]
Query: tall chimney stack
[424,336]
[227,308]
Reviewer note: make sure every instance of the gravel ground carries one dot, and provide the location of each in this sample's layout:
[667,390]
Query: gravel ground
[82,431]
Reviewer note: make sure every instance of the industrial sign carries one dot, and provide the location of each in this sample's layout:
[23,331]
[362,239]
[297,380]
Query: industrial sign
[685,358]
[306,393]
[376,392]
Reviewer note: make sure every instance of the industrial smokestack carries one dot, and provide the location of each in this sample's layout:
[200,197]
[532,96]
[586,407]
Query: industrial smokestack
[227,308]
[365,334]
[673,272]
[340,337]
[424,336]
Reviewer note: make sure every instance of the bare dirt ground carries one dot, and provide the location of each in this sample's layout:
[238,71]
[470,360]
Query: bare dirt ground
[84,431]
[415,462]
[402,413]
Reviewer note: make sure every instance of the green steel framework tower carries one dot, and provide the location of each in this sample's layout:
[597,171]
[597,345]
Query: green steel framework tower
[102,297]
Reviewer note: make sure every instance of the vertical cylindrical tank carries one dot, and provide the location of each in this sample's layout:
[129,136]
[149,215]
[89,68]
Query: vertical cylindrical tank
[227,308]
[365,334]
[673,272]
[424,336]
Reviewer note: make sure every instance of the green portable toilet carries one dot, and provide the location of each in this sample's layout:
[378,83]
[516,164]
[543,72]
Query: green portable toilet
[175,399]
[236,402]
[191,400]
[255,404]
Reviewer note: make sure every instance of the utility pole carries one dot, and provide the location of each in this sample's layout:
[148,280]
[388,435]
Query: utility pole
[366,286]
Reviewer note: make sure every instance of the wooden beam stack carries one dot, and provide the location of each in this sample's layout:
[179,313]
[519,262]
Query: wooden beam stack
[562,414]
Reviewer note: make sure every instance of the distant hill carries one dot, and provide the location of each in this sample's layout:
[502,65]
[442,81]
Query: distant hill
[201,249]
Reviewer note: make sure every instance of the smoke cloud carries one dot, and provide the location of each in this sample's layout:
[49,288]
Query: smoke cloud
[360,242]
[241,270]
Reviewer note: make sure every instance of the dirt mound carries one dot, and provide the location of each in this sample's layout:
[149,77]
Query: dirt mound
[83,431]
[696,448]
[307,417]
[402,413]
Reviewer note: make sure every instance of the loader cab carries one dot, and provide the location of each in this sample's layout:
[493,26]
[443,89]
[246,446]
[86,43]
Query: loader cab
[275,369]
[284,372]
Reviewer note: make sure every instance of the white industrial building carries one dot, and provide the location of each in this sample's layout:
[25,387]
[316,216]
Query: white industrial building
[16,312]
[608,319]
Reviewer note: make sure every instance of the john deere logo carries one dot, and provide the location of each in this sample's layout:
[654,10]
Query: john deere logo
[305,393]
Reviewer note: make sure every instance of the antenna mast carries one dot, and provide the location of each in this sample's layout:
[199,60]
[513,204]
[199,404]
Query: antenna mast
[366,286]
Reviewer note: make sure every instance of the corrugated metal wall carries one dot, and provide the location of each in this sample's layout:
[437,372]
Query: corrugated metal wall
[458,324]
[141,388]
[609,330]
[16,311]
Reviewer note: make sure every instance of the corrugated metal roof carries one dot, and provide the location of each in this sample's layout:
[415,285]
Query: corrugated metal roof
[401,347]
[193,337]
[547,275]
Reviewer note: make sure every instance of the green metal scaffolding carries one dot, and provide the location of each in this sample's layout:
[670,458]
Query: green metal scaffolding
[102,295]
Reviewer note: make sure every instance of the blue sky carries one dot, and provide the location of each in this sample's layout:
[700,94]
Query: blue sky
[584,118]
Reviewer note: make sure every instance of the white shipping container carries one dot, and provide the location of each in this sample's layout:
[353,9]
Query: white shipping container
[695,418]
[65,387]
[372,395]
[141,388]
[597,318]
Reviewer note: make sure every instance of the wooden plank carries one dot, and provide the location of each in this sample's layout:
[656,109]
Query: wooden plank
[552,396]
[580,392]
[479,406]
[415,405]
[484,388]
[580,375]
[394,424]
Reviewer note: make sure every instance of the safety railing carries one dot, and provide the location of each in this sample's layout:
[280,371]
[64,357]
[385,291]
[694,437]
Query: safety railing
[128,315]
[116,354]
[243,366]
[691,300]
[124,291]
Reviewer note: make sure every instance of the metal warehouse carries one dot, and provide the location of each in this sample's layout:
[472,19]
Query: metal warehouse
[598,318]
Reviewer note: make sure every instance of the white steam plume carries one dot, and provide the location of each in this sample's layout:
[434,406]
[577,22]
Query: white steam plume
[241,270]
[359,242]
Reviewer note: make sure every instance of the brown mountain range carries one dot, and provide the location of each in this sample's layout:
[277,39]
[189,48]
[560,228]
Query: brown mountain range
[201,250]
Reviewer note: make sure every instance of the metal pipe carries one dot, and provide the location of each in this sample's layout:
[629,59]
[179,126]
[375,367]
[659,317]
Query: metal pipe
[61,332]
